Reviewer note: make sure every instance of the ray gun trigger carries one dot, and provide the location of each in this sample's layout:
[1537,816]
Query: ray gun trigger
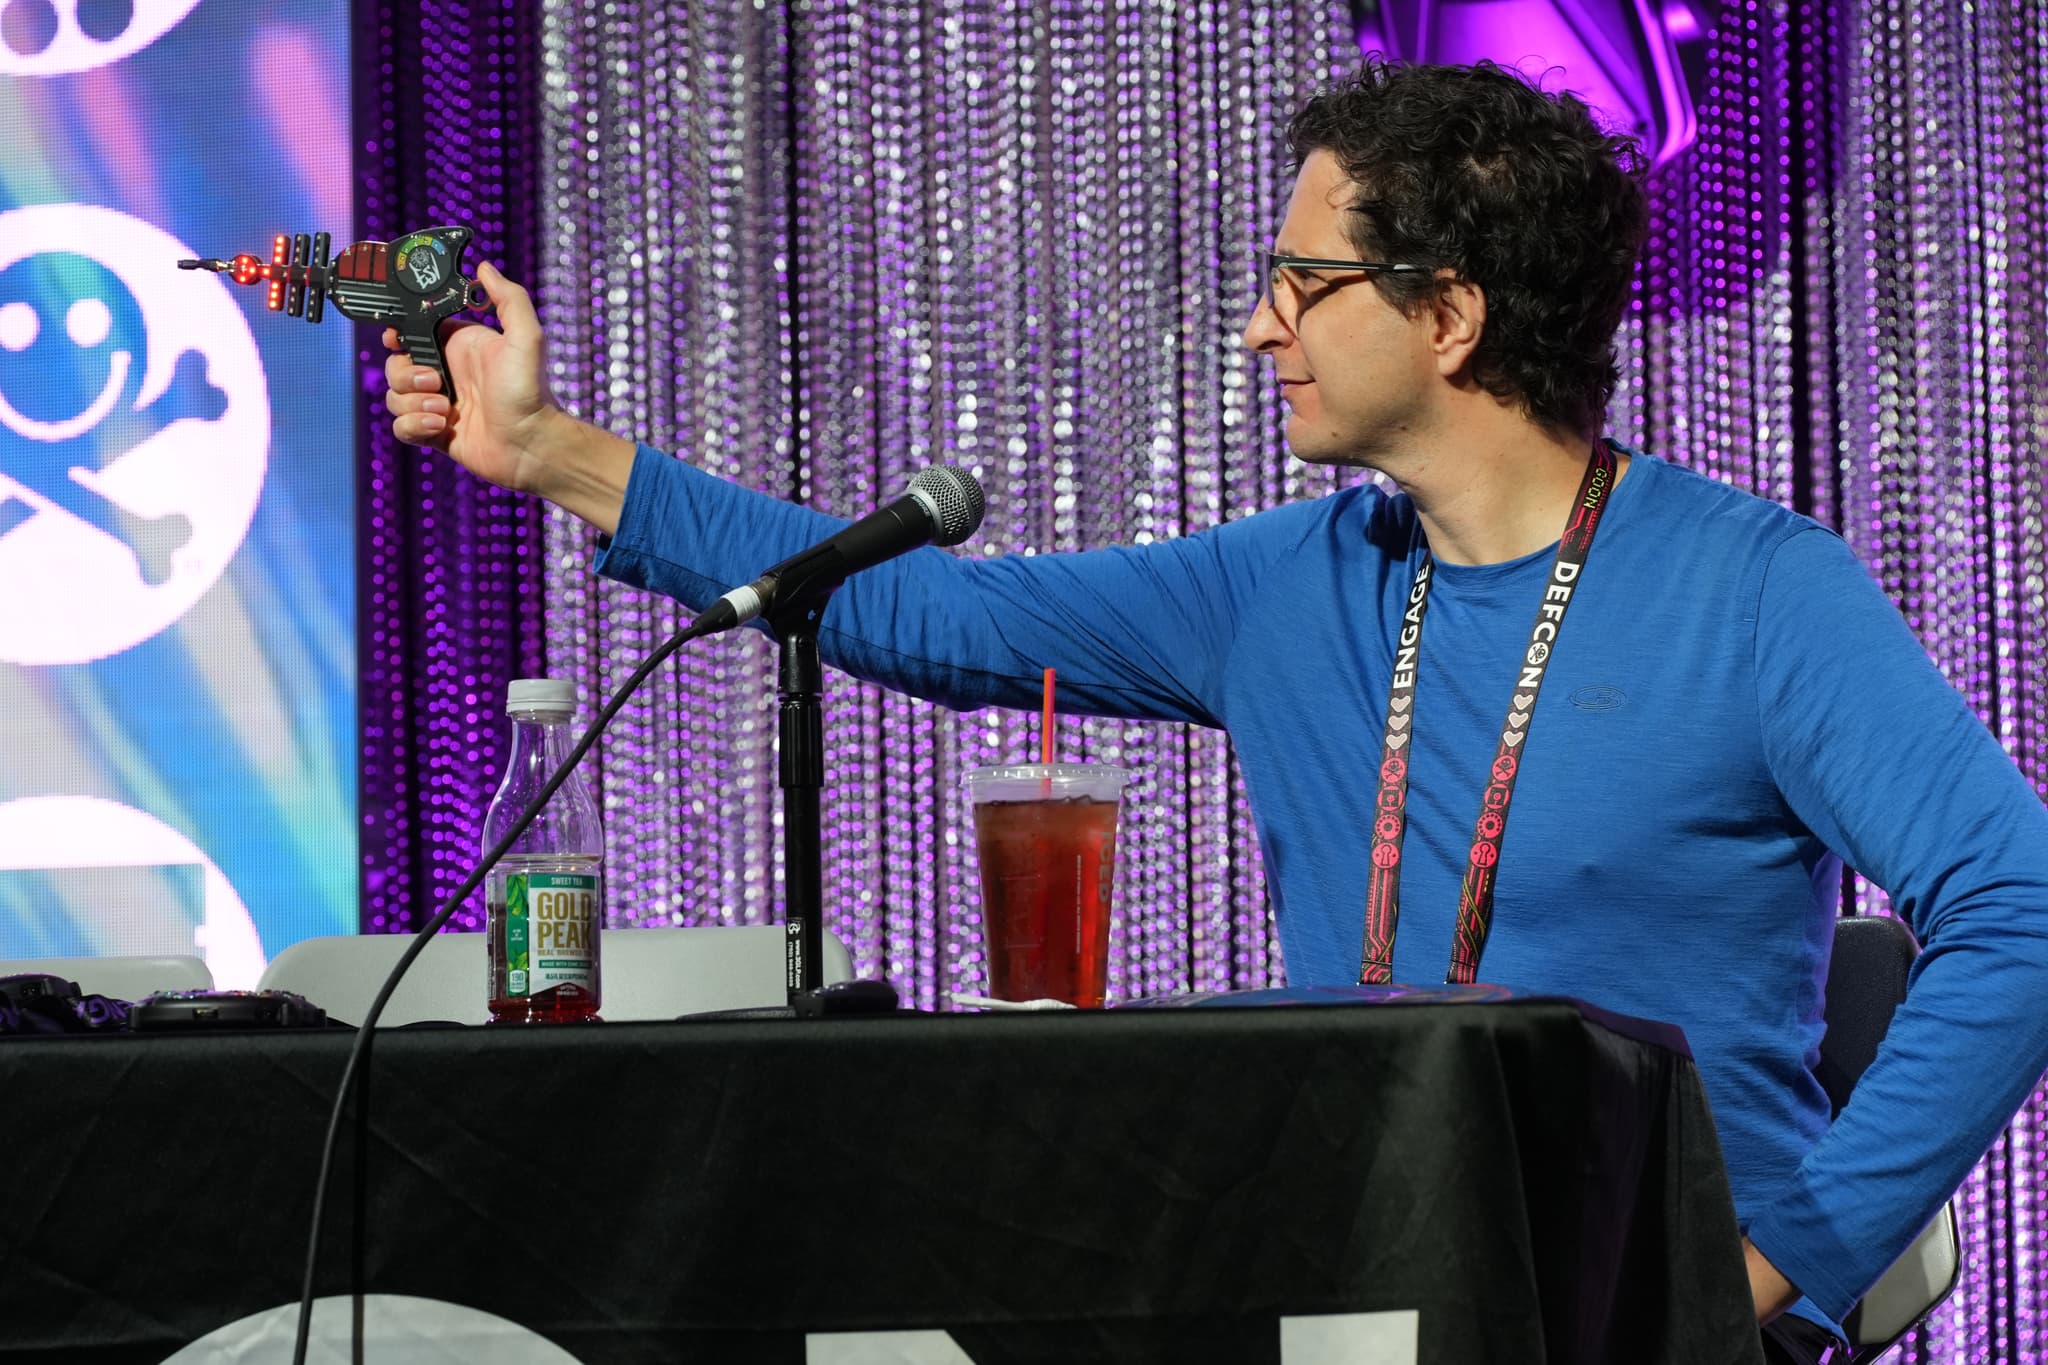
[410,284]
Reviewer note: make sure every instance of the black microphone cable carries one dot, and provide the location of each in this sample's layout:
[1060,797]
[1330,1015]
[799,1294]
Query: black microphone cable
[708,623]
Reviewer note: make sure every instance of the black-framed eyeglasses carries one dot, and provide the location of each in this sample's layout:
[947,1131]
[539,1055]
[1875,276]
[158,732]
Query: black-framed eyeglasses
[1274,263]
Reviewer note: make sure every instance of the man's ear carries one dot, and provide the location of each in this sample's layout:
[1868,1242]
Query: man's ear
[1457,322]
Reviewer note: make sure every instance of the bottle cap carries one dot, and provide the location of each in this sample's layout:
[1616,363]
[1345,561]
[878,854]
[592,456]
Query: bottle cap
[540,694]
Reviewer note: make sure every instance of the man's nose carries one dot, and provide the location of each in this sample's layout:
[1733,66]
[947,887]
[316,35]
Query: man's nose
[1264,331]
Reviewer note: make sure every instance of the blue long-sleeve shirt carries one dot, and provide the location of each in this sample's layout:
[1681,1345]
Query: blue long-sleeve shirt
[1732,708]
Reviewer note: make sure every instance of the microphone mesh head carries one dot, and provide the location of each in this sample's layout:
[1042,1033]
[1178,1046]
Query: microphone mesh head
[956,502]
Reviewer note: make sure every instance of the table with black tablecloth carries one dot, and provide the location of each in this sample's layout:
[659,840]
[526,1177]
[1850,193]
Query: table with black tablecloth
[1533,1180]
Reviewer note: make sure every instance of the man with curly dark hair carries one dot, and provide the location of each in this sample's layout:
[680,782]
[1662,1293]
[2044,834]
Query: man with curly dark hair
[1735,708]
[1481,185]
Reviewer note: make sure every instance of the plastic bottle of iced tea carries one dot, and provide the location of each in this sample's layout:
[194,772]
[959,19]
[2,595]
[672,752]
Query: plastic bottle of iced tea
[545,899]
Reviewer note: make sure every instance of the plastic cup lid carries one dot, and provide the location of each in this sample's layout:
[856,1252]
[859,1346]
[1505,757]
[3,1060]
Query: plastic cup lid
[1037,781]
[1035,771]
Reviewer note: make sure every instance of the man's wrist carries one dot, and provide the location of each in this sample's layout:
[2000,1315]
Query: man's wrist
[581,468]
[1772,1292]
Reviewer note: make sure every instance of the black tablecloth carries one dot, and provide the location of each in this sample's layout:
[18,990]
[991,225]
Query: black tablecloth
[1532,1180]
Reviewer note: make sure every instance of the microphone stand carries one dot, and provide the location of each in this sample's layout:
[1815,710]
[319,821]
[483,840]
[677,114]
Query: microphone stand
[943,506]
[800,683]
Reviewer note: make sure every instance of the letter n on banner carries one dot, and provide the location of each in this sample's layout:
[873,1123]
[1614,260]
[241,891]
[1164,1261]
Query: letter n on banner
[1325,1339]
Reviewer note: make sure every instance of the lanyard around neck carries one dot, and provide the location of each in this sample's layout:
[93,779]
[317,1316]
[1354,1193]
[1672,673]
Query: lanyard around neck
[1390,812]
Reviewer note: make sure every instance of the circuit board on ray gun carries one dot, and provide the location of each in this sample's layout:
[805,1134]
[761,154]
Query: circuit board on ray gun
[412,284]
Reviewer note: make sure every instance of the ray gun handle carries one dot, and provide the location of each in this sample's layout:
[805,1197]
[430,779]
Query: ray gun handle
[410,284]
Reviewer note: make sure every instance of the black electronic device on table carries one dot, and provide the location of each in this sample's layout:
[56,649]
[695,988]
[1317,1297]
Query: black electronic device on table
[193,1011]
[19,990]
[37,1002]
[411,284]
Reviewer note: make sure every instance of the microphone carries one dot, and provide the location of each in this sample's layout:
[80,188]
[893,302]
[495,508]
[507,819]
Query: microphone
[943,507]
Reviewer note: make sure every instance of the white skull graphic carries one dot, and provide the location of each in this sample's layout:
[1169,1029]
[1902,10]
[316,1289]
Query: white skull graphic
[57,37]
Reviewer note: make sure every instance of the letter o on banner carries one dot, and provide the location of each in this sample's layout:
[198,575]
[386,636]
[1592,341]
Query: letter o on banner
[396,1328]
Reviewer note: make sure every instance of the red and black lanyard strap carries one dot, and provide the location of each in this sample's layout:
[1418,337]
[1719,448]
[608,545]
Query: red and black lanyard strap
[1390,812]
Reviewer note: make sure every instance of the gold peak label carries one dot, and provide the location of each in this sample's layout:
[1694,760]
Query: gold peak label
[560,929]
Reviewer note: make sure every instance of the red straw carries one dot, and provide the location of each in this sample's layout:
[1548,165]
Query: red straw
[1045,724]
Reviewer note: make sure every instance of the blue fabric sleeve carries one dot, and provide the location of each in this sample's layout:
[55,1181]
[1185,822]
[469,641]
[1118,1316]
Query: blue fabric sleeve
[1139,632]
[1887,765]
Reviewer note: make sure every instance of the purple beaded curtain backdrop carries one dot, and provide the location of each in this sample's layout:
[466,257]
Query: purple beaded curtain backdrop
[1841,309]
[447,114]
[815,247]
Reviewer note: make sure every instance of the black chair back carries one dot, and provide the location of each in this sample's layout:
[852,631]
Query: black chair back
[1866,982]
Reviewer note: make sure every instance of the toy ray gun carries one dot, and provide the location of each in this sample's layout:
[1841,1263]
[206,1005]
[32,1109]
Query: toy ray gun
[411,284]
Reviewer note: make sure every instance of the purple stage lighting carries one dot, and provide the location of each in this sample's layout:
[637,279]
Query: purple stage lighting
[1626,58]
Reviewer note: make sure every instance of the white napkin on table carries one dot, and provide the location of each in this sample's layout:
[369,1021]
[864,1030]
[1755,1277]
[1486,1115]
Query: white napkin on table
[983,1002]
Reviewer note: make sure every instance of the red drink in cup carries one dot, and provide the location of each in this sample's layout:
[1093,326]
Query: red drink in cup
[1046,836]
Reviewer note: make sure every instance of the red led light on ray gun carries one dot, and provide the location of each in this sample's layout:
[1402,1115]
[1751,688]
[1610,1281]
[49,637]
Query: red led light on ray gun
[280,257]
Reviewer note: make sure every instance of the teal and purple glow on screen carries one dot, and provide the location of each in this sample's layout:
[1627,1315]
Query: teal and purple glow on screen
[177,596]
[1626,58]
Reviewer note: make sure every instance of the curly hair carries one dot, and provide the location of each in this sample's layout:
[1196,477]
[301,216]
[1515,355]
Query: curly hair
[1475,171]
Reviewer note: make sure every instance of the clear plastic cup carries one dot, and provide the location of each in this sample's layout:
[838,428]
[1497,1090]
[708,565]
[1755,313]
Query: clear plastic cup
[1046,837]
